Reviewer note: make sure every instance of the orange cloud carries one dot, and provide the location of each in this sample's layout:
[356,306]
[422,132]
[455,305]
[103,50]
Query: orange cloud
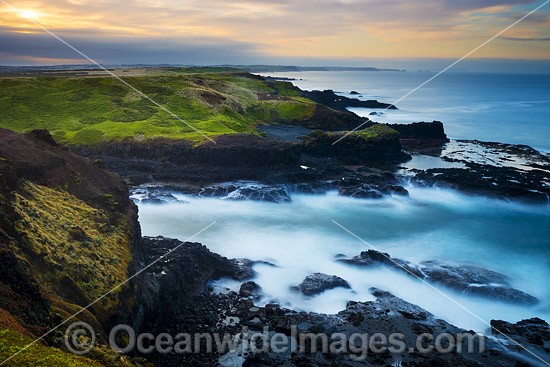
[316,28]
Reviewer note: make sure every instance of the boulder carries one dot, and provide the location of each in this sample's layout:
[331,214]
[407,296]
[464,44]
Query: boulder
[318,283]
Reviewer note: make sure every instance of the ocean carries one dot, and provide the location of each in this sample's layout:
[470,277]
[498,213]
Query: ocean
[507,108]
[431,224]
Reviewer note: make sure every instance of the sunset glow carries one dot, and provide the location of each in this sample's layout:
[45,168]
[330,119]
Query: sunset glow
[339,29]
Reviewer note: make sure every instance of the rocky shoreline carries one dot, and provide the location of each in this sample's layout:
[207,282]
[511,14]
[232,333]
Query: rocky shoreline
[198,310]
[175,295]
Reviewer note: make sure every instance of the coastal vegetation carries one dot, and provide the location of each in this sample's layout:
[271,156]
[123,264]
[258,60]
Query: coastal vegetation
[88,110]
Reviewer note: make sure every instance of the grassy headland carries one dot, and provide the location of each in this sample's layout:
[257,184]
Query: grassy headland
[96,108]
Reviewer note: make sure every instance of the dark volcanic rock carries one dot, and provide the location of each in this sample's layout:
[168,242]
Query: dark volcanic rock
[501,182]
[421,130]
[475,280]
[468,279]
[178,277]
[35,158]
[372,186]
[355,148]
[532,331]
[332,100]
[319,282]
[249,288]
[387,314]
[247,191]
[155,196]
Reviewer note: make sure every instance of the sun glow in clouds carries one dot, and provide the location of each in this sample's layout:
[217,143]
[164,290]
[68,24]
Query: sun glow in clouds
[29,14]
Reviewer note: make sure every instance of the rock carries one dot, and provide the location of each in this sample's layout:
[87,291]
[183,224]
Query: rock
[158,197]
[247,191]
[374,143]
[362,191]
[354,92]
[475,280]
[502,182]
[179,277]
[249,288]
[533,331]
[468,279]
[421,130]
[319,282]
[334,101]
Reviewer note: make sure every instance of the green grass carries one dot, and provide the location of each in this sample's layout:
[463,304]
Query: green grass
[376,132]
[94,109]
[37,354]
[66,233]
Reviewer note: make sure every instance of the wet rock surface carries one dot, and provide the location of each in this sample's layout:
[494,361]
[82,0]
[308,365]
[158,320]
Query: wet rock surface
[229,313]
[494,169]
[469,279]
[179,272]
[337,102]
[531,331]
[372,187]
[247,191]
[318,283]
[249,289]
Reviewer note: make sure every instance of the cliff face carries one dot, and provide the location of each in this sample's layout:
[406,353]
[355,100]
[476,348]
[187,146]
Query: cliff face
[68,234]
[377,143]
[237,150]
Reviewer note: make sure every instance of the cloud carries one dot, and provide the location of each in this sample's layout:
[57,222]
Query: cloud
[526,39]
[187,29]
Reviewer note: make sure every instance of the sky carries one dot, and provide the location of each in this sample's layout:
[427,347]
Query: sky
[379,33]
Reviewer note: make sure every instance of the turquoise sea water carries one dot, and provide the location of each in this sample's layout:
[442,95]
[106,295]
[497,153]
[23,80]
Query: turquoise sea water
[300,237]
[509,108]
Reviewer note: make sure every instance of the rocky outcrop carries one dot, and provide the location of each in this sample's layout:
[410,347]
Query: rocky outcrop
[250,289]
[247,191]
[371,187]
[236,150]
[32,164]
[531,331]
[421,130]
[179,272]
[387,314]
[68,234]
[374,144]
[469,279]
[500,182]
[318,283]
[334,101]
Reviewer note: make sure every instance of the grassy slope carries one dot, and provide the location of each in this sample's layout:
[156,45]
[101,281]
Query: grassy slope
[67,234]
[92,109]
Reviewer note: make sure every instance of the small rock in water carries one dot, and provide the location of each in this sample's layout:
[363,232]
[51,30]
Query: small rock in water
[249,289]
[319,282]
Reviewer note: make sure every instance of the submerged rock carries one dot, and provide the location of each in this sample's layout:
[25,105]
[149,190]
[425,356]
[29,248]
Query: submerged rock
[319,282]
